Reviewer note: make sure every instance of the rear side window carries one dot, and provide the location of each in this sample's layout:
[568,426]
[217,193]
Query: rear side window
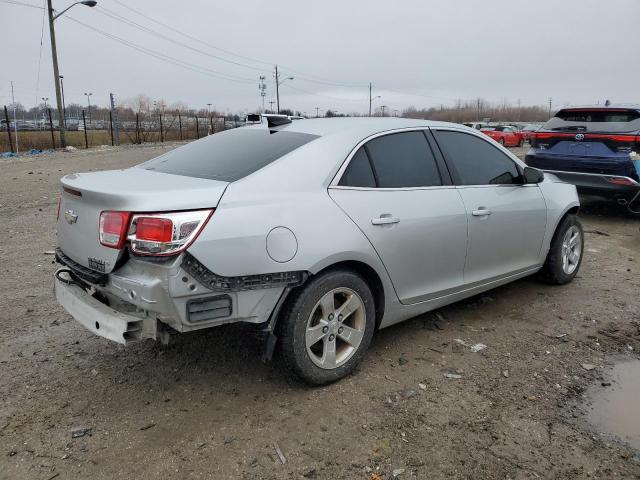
[229,156]
[358,173]
[595,120]
[475,160]
[403,160]
[598,115]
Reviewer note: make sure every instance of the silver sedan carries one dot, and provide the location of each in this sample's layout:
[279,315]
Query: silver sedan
[320,232]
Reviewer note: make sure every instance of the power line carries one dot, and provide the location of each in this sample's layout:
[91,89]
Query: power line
[186,35]
[166,58]
[40,56]
[288,85]
[22,4]
[131,23]
[300,75]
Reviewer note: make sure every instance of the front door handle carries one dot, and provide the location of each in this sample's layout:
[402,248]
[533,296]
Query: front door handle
[384,219]
[481,212]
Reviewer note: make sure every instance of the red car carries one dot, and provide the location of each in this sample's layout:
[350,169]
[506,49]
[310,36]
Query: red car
[504,135]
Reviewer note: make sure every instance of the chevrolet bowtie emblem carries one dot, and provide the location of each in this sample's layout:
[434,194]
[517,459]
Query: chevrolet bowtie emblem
[70,217]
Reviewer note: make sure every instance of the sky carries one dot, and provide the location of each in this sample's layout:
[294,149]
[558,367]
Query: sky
[420,53]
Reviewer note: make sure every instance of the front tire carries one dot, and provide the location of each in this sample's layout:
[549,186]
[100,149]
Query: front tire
[327,326]
[565,254]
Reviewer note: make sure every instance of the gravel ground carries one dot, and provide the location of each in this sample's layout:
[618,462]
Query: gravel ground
[206,407]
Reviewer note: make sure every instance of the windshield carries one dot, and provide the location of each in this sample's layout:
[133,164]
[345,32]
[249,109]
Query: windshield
[229,156]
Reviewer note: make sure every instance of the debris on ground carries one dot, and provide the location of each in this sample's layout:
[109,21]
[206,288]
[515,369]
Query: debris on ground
[81,432]
[588,366]
[148,426]
[452,375]
[281,456]
[475,348]
[397,472]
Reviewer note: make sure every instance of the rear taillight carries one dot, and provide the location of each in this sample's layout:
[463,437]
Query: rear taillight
[113,228]
[621,181]
[165,233]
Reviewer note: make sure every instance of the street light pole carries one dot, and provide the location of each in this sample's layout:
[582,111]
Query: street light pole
[56,73]
[277,91]
[278,83]
[54,57]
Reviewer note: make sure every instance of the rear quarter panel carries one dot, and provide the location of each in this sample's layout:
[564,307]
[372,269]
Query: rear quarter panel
[560,197]
[292,193]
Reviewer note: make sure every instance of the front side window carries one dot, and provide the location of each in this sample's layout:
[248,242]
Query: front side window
[476,161]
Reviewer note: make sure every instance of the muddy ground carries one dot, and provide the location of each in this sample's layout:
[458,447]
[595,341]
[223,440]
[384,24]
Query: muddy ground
[206,407]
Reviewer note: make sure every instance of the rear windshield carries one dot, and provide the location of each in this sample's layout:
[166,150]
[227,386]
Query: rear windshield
[229,156]
[595,120]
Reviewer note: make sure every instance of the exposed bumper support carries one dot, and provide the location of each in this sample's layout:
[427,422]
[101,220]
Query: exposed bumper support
[100,318]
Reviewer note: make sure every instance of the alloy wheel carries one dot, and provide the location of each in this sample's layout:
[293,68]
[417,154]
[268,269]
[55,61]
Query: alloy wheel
[571,250]
[335,328]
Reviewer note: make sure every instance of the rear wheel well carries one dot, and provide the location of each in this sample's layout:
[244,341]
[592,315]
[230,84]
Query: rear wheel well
[370,276]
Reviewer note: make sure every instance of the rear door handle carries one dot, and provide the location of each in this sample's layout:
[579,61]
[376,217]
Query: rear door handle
[481,212]
[384,219]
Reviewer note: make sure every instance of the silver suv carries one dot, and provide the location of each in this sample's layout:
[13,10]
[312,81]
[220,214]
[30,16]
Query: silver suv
[320,232]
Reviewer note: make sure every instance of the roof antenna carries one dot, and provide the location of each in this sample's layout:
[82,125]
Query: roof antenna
[607,103]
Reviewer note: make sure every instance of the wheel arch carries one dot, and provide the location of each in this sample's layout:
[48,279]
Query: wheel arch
[370,276]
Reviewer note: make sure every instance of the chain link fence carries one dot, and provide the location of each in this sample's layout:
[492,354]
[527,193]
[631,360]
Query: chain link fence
[87,130]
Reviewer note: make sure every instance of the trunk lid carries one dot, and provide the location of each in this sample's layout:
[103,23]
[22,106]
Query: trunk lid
[86,195]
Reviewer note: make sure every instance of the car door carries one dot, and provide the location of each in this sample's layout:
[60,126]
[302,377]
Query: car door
[398,192]
[509,137]
[507,219]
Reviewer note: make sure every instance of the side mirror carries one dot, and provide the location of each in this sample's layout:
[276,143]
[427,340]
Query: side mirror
[532,175]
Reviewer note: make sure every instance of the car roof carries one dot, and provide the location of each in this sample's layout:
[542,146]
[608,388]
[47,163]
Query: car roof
[360,126]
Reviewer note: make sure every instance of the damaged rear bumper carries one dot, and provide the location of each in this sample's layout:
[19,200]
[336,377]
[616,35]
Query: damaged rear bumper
[99,318]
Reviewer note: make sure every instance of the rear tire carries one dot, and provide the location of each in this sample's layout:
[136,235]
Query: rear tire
[326,326]
[566,252]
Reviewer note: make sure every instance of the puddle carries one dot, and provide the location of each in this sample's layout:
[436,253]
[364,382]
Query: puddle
[615,409]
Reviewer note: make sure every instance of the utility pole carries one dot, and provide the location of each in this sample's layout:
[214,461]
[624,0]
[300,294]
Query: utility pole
[371,98]
[262,87]
[15,120]
[56,73]
[89,103]
[271,104]
[550,106]
[116,130]
[277,90]
[317,112]
[54,56]
[383,107]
